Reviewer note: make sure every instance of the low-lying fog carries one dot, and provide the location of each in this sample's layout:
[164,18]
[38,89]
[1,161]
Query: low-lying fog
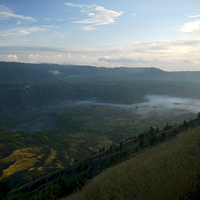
[162,105]
[163,109]
[156,106]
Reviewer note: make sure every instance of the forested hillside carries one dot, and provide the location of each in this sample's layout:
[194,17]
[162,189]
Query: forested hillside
[35,84]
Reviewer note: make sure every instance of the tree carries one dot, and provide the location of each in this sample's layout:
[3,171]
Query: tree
[107,152]
[153,140]
[111,149]
[141,144]
[151,130]
[167,127]
[120,146]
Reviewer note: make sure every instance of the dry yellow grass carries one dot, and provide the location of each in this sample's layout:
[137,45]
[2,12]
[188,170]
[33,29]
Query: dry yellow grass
[51,157]
[22,159]
[19,165]
[167,171]
[20,154]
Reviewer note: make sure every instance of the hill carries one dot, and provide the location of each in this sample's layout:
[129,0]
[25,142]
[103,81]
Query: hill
[166,171]
[170,156]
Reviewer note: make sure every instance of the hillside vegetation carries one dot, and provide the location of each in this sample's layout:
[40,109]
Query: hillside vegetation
[166,171]
[169,155]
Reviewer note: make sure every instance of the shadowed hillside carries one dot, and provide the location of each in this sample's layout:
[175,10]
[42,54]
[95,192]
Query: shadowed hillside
[166,171]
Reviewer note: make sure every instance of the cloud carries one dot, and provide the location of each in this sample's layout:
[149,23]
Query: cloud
[74,5]
[173,55]
[34,56]
[190,61]
[62,35]
[98,15]
[191,27]
[193,16]
[6,14]
[127,60]
[88,28]
[55,72]
[12,57]
[133,15]
[21,31]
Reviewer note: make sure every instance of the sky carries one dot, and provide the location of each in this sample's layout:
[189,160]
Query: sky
[128,33]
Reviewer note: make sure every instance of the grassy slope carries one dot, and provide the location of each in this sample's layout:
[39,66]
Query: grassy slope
[166,171]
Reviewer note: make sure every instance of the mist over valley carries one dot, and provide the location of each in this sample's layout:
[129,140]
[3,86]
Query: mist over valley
[34,95]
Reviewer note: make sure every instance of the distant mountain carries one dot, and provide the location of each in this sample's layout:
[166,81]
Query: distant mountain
[23,84]
[23,72]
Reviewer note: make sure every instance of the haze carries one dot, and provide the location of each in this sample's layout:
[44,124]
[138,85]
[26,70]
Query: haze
[155,106]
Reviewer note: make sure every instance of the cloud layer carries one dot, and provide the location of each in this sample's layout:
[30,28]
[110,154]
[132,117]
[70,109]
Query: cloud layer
[167,55]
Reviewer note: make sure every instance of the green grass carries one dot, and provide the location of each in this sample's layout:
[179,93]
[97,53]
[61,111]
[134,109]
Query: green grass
[167,171]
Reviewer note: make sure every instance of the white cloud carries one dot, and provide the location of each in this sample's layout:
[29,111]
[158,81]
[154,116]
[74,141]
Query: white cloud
[83,56]
[193,16]
[98,15]
[133,15]
[191,27]
[69,56]
[127,60]
[74,5]
[6,14]
[55,72]
[12,57]
[47,56]
[88,28]
[34,56]
[21,31]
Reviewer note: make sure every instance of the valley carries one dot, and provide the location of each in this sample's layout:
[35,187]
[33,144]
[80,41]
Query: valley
[53,117]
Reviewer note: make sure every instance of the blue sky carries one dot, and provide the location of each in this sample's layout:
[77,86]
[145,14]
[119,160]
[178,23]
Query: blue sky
[139,33]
